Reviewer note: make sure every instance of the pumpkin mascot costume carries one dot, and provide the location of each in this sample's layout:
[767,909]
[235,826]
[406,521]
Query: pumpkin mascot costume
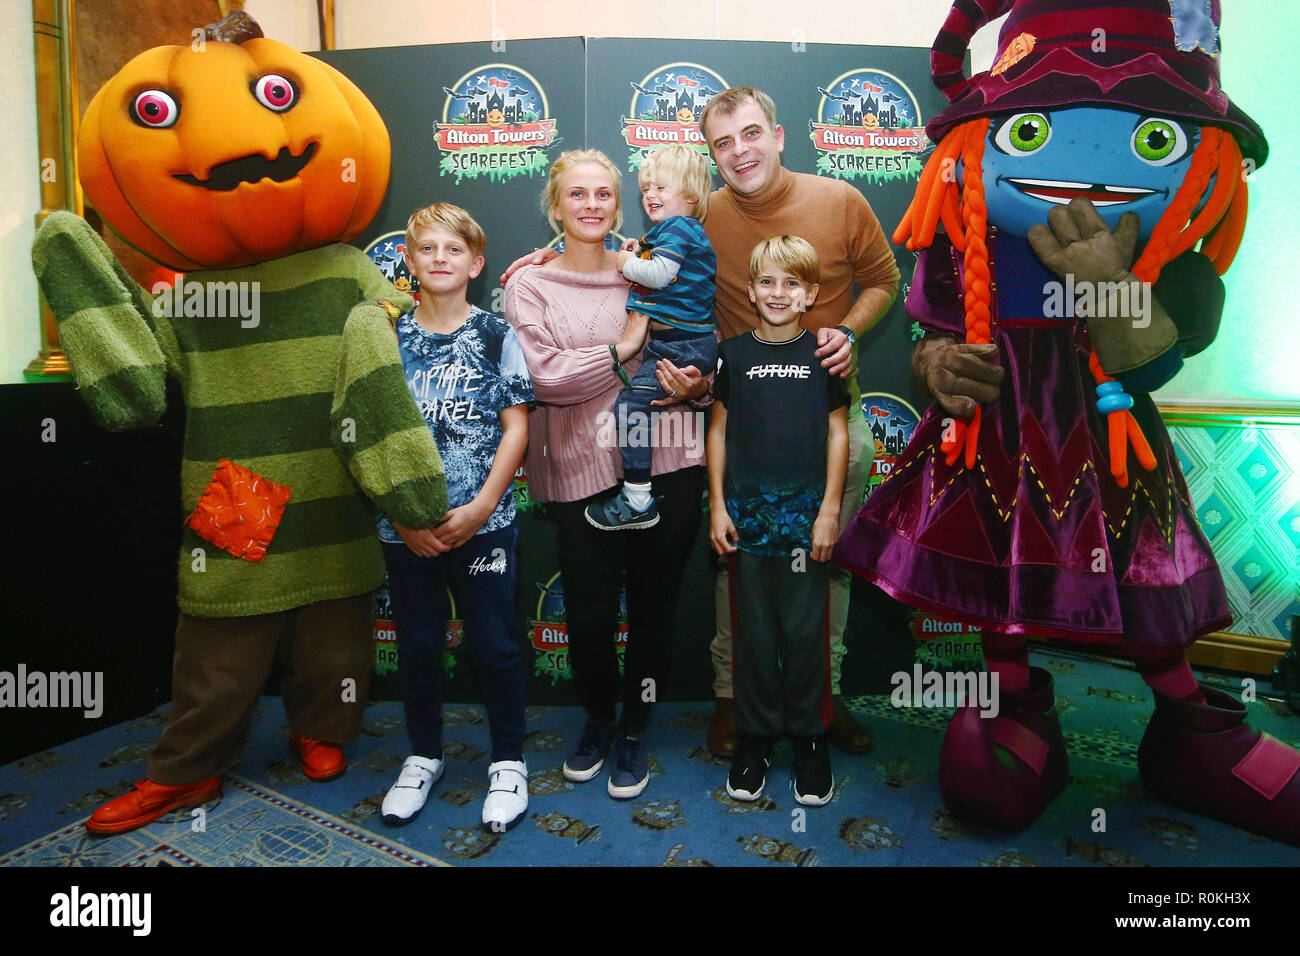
[247,165]
[1041,495]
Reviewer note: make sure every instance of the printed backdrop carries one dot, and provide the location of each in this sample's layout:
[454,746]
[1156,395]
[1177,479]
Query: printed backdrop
[480,126]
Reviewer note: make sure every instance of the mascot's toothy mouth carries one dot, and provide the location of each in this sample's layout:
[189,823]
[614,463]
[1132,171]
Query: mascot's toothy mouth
[1061,192]
[224,177]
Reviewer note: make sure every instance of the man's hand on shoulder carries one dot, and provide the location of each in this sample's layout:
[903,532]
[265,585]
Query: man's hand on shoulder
[835,350]
[536,258]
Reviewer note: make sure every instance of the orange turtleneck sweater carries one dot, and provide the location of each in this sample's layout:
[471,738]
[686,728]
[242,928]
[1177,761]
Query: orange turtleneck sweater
[830,214]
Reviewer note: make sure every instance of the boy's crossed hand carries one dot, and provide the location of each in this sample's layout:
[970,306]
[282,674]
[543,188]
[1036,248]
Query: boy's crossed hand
[458,526]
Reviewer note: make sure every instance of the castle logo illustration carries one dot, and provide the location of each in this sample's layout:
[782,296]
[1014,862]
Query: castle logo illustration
[495,123]
[869,127]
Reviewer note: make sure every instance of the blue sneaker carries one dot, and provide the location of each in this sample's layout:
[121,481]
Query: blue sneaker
[617,514]
[631,769]
[589,756]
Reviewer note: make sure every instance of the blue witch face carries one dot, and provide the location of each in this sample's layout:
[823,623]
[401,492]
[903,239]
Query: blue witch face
[1121,160]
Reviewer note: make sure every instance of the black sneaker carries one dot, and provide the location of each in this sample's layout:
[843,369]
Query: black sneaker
[618,514]
[748,773]
[813,782]
[588,757]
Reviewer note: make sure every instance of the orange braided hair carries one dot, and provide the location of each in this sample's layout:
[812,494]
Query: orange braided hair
[964,214]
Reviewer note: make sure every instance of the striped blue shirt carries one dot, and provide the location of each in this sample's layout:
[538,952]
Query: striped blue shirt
[687,301]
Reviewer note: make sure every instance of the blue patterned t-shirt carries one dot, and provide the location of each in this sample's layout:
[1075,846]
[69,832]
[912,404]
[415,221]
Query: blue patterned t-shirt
[460,383]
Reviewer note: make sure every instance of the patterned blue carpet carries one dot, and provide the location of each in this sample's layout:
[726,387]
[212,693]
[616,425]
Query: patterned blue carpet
[887,810]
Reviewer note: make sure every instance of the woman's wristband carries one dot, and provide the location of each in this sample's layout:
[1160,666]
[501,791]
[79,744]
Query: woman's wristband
[618,367]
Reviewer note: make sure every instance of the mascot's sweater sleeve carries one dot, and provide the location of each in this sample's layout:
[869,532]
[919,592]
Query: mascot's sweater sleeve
[270,381]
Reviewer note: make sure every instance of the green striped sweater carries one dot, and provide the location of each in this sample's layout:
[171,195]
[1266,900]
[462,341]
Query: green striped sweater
[311,397]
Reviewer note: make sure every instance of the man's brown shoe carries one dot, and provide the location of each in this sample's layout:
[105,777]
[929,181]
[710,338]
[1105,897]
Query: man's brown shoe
[721,740]
[320,761]
[846,733]
[147,801]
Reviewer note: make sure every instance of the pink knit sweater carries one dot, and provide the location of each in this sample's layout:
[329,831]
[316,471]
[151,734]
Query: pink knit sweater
[566,322]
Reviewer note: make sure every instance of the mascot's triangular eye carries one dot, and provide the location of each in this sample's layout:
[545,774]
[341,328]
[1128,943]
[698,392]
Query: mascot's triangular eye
[275,92]
[155,109]
[1159,142]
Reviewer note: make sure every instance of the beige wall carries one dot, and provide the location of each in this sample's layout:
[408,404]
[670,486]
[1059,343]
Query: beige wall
[1256,363]
[19,195]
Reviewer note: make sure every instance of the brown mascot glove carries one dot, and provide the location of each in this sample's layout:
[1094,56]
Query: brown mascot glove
[958,375]
[1126,325]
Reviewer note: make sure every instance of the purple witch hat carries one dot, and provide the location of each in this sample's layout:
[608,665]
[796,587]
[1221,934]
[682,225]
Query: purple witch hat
[1153,56]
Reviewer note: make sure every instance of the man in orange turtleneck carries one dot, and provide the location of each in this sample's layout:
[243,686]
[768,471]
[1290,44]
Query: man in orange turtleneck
[762,198]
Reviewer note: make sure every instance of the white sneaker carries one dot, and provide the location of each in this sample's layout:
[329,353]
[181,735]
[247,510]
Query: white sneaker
[406,797]
[507,799]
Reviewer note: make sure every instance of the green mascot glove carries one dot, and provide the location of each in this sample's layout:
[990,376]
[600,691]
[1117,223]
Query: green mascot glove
[105,321]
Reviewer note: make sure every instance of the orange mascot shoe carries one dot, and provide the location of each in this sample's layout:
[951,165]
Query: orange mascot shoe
[147,801]
[320,761]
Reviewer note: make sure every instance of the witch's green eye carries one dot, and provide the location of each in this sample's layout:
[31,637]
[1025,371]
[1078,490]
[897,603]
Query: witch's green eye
[1023,134]
[1159,142]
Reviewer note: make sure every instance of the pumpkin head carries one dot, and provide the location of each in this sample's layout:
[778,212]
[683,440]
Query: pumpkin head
[870,120]
[496,118]
[685,116]
[232,154]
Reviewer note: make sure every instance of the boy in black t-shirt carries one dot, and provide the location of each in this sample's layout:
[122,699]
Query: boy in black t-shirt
[777,453]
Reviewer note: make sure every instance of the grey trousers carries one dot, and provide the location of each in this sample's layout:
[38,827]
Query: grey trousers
[781,645]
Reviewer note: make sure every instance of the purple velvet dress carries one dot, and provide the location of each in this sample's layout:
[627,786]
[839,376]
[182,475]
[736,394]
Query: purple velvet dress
[1038,539]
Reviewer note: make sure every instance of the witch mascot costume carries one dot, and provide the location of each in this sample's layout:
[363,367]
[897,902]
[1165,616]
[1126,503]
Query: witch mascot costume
[248,166]
[1085,195]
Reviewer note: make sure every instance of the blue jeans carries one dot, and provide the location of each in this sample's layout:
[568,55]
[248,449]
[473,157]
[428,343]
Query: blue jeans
[483,572]
[680,347]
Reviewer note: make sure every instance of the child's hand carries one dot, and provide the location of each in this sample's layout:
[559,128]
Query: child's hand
[461,524]
[421,541]
[623,257]
[630,245]
[825,530]
[722,531]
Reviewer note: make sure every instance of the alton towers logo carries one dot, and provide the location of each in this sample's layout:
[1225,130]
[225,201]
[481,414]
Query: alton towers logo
[666,107]
[495,123]
[869,127]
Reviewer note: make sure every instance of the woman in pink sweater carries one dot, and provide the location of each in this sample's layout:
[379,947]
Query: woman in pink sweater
[569,315]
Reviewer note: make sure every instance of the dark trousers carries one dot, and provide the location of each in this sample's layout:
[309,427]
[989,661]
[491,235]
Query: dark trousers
[483,572]
[781,644]
[680,347]
[222,665]
[592,565]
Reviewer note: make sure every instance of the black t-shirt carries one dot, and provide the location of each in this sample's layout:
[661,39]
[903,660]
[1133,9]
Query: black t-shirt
[779,400]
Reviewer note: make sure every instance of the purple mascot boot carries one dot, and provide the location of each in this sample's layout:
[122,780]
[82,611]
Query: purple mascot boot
[1205,758]
[1003,771]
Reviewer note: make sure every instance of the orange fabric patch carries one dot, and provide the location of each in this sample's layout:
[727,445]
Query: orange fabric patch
[1016,50]
[239,511]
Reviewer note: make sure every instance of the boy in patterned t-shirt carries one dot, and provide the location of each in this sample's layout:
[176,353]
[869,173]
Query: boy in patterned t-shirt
[777,453]
[467,374]
[672,270]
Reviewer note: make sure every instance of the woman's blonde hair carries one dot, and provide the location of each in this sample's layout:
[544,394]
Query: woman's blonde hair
[682,168]
[566,161]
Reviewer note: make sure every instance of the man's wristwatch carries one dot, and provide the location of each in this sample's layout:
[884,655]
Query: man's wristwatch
[853,339]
